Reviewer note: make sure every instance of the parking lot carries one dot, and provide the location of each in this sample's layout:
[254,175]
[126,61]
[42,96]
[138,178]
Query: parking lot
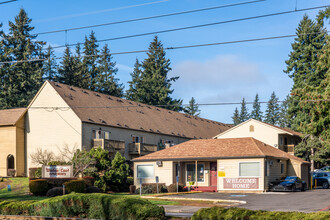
[309,201]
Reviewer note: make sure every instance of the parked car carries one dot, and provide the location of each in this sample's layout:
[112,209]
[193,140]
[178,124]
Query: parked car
[322,179]
[323,169]
[290,183]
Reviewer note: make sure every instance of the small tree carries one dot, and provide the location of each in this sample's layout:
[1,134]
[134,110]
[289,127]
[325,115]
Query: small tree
[273,110]
[83,163]
[256,111]
[192,108]
[117,175]
[236,119]
[244,115]
[42,157]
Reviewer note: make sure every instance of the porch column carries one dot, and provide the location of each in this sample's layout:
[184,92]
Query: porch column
[196,180]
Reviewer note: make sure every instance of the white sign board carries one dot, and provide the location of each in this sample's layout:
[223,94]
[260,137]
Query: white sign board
[60,171]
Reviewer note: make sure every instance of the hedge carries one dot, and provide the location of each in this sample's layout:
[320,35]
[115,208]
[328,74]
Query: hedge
[220,213]
[38,187]
[92,206]
[78,186]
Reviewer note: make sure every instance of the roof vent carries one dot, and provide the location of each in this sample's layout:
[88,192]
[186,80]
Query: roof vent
[109,98]
[119,124]
[141,128]
[57,85]
[151,130]
[85,92]
[169,112]
[119,100]
[202,119]
[139,105]
[126,126]
[148,107]
[102,121]
[89,119]
[157,109]
[130,103]
[158,131]
[72,88]
[96,94]
[173,133]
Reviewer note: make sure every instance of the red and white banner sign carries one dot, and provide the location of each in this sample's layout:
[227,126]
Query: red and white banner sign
[241,183]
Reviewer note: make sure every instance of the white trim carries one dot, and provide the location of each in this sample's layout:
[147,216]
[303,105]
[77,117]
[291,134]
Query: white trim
[239,163]
[203,163]
[137,171]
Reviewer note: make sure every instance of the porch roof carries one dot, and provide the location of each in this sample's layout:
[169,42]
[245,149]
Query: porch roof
[207,149]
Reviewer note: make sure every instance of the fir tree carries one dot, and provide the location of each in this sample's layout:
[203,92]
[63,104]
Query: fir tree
[132,92]
[67,71]
[90,61]
[153,86]
[20,80]
[244,115]
[236,119]
[50,65]
[256,111]
[272,111]
[284,119]
[107,83]
[301,66]
[192,108]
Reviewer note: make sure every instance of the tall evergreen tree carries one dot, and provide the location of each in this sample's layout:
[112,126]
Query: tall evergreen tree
[90,60]
[256,109]
[132,92]
[20,80]
[284,119]
[154,86]
[106,81]
[192,108]
[236,119]
[244,115]
[67,71]
[301,66]
[272,111]
[50,65]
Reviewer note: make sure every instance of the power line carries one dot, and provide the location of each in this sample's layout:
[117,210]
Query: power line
[170,48]
[144,105]
[5,2]
[199,26]
[148,18]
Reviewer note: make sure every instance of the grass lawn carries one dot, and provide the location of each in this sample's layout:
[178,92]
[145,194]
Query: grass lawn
[20,192]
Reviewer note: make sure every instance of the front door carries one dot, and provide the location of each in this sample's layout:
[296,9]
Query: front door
[213,174]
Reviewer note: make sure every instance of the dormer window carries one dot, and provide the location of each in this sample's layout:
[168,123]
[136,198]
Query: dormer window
[251,128]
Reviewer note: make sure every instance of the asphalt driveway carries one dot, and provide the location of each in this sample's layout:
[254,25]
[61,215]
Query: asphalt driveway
[309,201]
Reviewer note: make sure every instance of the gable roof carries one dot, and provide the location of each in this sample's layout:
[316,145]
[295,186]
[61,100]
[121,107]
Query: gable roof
[218,148]
[98,108]
[11,116]
[284,130]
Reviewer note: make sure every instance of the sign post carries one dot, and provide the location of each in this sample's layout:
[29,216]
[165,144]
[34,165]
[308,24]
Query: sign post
[140,187]
[157,181]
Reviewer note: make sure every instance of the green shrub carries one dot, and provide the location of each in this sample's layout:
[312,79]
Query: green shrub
[78,186]
[216,213]
[93,189]
[132,189]
[58,163]
[58,182]
[56,191]
[89,180]
[15,207]
[173,188]
[38,187]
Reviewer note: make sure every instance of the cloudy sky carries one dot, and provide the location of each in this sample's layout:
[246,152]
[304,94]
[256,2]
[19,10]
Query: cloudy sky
[214,74]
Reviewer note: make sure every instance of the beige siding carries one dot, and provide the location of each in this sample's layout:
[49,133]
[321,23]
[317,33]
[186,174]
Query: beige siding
[164,172]
[262,132]
[7,146]
[121,134]
[49,128]
[20,148]
[274,170]
[231,168]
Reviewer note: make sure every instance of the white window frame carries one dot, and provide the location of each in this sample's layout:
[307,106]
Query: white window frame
[195,171]
[239,166]
[140,165]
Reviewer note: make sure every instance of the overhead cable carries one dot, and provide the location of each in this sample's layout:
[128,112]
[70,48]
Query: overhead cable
[9,1]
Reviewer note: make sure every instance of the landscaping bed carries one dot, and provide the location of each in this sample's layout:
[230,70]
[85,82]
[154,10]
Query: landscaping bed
[94,206]
[216,213]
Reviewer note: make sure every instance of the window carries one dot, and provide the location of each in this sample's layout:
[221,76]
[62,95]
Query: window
[145,171]
[251,128]
[137,139]
[249,169]
[191,172]
[285,141]
[99,134]
[282,168]
[267,168]
[281,141]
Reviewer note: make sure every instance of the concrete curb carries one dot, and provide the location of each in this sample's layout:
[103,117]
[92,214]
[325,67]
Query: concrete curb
[195,199]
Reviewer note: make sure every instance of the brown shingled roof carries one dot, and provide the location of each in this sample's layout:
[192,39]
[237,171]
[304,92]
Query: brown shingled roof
[10,116]
[98,108]
[286,129]
[218,148]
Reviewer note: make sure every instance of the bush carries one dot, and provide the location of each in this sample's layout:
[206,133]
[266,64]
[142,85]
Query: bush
[89,180]
[38,187]
[130,181]
[56,191]
[146,189]
[132,189]
[173,188]
[215,213]
[58,163]
[58,182]
[93,189]
[78,186]
[15,207]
